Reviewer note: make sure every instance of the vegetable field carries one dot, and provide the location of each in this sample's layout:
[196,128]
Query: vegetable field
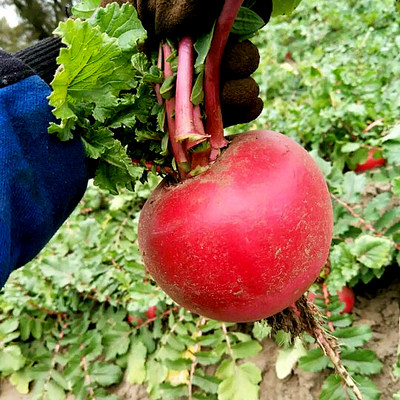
[86,319]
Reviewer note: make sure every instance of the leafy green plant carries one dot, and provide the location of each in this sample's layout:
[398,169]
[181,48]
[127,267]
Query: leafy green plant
[361,363]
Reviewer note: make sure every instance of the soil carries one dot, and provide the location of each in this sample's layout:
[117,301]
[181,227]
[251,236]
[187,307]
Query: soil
[377,305]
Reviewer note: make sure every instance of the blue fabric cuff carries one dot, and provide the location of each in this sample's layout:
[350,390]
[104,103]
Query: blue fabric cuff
[41,178]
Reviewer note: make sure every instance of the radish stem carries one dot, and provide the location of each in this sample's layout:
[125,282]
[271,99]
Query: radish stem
[177,148]
[184,84]
[214,123]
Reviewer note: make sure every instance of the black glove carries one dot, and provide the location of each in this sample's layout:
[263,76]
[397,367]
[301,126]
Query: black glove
[177,18]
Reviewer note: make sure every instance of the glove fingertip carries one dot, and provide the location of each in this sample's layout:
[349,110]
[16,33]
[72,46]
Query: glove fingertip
[239,115]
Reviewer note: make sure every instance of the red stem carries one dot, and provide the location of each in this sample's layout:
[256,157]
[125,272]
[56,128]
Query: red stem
[178,149]
[184,84]
[199,128]
[214,123]
[197,120]
[199,159]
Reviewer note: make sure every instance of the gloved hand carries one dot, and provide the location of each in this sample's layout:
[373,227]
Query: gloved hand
[41,178]
[240,99]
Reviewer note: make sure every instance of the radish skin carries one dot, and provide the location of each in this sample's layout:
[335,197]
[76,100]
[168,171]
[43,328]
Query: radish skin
[245,239]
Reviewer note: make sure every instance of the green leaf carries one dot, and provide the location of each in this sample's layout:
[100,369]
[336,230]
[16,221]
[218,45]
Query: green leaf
[156,373]
[394,134]
[37,328]
[25,327]
[136,372]
[97,141]
[368,388]
[202,47]
[246,349]
[21,381]
[240,382]
[350,147]
[122,23]
[361,361]
[332,389]
[284,7]
[396,186]
[314,361]
[324,166]
[343,267]
[374,252]
[261,330]
[8,326]
[353,185]
[54,391]
[287,359]
[197,96]
[85,8]
[11,359]
[247,22]
[391,151]
[354,336]
[207,383]
[106,374]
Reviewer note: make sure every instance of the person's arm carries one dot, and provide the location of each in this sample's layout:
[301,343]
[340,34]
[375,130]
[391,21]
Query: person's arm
[41,178]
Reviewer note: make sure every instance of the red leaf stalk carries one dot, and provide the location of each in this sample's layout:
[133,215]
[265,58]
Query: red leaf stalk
[178,149]
[214,124]
[185,128]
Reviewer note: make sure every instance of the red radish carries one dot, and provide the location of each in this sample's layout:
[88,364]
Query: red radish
[346,296]
[151,312]
[374,160]
[245,239]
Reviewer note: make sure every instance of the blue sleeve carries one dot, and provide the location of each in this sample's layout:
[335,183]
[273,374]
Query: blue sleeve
[41,178]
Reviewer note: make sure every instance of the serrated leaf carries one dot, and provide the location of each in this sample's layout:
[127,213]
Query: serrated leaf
[353,185]
[86,65]
[97,141]
[368,388]
[106,374]
[8,326]
[374,252]
[207,383]
[11,359]
[136,371]
[21,381]
[354,336]
[287,359]
[54,391]
[85,8]
[361,361]
[122,23]
[314,361]
[241,384]
[332,389]
[246,349]
[261,330]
